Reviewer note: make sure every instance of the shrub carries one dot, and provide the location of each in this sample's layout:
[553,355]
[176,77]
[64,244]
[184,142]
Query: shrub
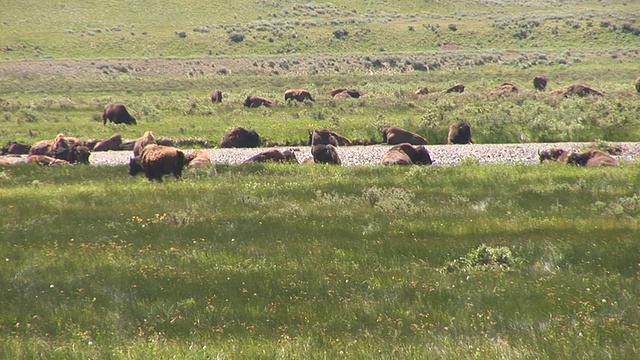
[484,258]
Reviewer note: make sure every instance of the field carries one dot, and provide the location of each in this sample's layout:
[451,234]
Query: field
[320,262]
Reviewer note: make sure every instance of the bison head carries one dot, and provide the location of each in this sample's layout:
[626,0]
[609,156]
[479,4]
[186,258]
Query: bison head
[135,166]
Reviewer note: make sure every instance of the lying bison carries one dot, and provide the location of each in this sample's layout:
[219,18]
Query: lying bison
[553,154]
[141,142]
[117,113]
[577,89]
[113,143]
[156,161]
[325,154]
[326,137]
[459,133]
[253,101]
[591,158]
[197,158]
[503,89]
[406,154]
[457,88]
[540,82]
[273,155]
[297,94]
[216,96]
[240,137]
[42,147]
[45,160]
[15,148]
[347,93]
[422,91]
[394,135]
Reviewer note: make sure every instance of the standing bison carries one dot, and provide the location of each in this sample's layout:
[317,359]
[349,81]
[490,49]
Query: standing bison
[156,161]
[216,96]
[394,135]
[459,133]
[406,154]
[117,114]
[297,94]
[240,137]
[638,84]
[253,101]
[540,82]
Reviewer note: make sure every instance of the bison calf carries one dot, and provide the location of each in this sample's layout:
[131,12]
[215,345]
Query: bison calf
[156,161]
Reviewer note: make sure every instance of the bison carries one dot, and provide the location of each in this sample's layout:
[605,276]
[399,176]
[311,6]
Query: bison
[638,84]
[421,91]
[457,88]
[505,88]
[15,148]
[406,154]
[553,154]
[297,94]
[591,158]
[326,136]
[394,135]
[216,96]
[273,155]
[140,143]
[42,147]
[158,160]
[253,101]
[577,89]
[117,113]
[352,93]
[240,137]
[113,143]
[540,82]
[459,133]
[197,158]
[325,154]
[45,160]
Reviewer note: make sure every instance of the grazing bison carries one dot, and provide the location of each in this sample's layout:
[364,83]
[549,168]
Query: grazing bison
[15,148]
[459,133]
[421,91]
[141,142]
[156,161]
[256,101]
[638,84]
[325,154]
[553,154]
[591,158]
[577,89]
[216,96]
[394,135]
[297,94]
[45,160]
[117,114]
[197,158]
[240,137]
[113,143]
[406,154]
[352,93]
[273,155]
[457,88]
[540,82]
[505,88]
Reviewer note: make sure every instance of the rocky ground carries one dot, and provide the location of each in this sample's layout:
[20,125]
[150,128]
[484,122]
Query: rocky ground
[371,154]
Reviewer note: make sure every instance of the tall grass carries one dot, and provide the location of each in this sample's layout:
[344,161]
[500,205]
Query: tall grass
[316,262]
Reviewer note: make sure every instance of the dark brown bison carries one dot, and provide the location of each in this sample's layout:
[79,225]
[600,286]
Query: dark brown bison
[297,94]
[113,143]
[540,82]
[156,161]
[325,154]
[240,137]
[15,148]
[577,89]
[505,88]
[591,158]
[457,88]
[326,136]
[553,154]
[256,101]
[273,155]
[407,154]
[336,91]
[45,160]
[117,113]
[348,93]
[216,96]
[70,149]
[421,91]
[638,84]
[394,135]
[459,133]
[197,158]
[140,143]
[42,147]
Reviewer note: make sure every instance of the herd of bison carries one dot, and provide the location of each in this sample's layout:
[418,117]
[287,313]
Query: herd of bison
[158,157]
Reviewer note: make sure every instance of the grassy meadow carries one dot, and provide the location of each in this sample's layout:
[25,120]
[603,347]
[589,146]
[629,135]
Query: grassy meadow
[320,262]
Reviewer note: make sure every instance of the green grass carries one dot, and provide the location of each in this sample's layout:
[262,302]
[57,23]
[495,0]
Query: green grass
[319,261]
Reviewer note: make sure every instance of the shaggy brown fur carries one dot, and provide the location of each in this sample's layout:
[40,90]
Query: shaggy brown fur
[591,158]
[577,89]
[256,101]
[406,154]
[540,82]
[45,160]
[394,135]
[216,96]
[273,155]
[505,88]
[118,114]
[156,161]
[352,93]
[197,158]
[113,143]
[458,88]
[459,133]
[421,91]
[553,154]
[297,94]
[15,148]
[325,154]
[42,147]
[141,142]
[638,84]
[240,137]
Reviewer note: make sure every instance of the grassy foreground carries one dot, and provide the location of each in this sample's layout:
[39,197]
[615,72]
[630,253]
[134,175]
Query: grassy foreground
[320,262]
